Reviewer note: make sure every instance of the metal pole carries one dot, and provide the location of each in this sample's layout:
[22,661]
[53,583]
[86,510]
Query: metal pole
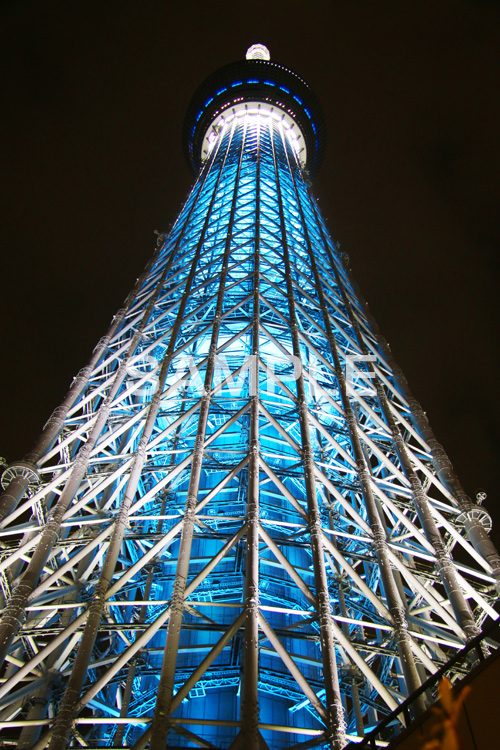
[293,669]
[444,562]
[208,660]
[396,607]
[14,611]
[249,705]
[336,723]
[127,694]
[345,629]
[160,726]
[63,723]
[472,514]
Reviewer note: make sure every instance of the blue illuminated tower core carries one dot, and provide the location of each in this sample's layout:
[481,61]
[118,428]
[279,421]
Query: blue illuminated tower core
[237,530]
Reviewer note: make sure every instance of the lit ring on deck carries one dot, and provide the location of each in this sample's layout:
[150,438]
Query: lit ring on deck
[257,110]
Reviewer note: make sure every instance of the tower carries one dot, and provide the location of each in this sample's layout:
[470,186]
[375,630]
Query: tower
[237,530]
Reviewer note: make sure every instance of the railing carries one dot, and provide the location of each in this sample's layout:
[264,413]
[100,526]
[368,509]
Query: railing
[476,651]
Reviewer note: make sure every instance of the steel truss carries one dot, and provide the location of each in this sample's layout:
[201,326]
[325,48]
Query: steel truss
[238,529]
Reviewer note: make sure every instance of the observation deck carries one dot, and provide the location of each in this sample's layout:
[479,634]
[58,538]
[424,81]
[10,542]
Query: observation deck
[254,85]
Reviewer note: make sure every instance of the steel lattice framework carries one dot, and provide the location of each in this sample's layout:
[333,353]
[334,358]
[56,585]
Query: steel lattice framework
[237,529]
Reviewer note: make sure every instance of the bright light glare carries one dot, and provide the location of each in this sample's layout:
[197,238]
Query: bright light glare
[258,52]
[257,115]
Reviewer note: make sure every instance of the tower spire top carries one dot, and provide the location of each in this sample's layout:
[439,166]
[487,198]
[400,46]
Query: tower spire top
[258,52]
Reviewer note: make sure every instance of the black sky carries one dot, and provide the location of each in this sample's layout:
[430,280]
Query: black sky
[93,98]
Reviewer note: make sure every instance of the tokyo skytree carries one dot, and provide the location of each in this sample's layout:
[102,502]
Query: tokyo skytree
[238,529]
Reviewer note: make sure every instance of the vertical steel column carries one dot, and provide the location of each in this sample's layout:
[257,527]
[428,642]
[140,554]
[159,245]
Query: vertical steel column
[345,629]
[335,710]
[161,720]
[62,726]
[444,563]
[335,566]
[249,698]
[476,532]
[14,611]
[396,607]
[118,738]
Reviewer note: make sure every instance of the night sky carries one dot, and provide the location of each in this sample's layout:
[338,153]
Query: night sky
[93,99]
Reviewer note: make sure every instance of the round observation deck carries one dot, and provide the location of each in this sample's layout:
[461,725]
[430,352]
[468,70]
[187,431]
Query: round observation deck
[256,81]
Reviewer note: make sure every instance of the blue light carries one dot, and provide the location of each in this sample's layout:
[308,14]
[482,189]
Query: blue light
[219,689]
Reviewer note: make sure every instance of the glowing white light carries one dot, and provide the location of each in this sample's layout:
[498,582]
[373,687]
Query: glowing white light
[258,52]
[212,137]
[259,114]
